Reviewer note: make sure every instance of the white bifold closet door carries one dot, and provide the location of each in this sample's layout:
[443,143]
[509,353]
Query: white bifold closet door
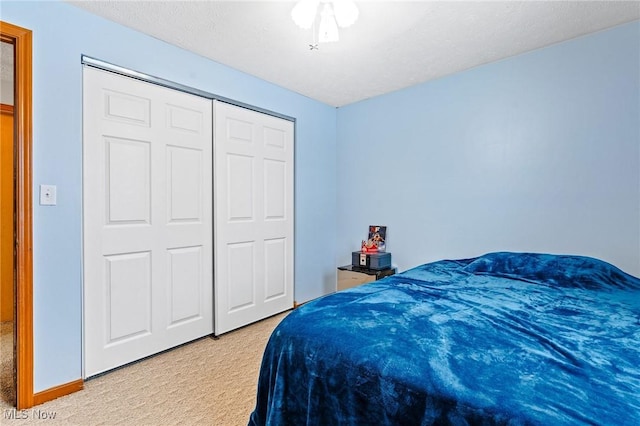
[147,210]
[253,216]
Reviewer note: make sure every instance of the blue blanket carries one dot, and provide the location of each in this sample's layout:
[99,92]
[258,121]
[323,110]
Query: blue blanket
[504,338]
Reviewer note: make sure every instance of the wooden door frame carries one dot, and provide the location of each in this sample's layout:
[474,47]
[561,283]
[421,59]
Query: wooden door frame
[21,38]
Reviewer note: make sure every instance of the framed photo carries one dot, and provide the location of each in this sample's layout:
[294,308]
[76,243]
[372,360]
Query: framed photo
[376,240]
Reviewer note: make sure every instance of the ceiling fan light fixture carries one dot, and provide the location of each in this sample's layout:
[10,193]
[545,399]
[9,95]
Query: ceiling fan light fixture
[304,13]
[346,12]
[334,14]
[328,31]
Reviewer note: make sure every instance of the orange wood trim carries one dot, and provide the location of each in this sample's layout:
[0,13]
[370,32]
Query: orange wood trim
[58,391]
[21,38]
[8,109]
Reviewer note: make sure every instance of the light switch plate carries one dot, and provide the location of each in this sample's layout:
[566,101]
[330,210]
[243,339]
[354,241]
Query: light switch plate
[48,196]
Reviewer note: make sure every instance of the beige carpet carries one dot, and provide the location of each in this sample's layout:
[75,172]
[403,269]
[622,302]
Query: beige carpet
[7,391]
[207,382]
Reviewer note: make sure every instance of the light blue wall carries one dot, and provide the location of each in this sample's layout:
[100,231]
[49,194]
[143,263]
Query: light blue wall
[539,152]
[61,34]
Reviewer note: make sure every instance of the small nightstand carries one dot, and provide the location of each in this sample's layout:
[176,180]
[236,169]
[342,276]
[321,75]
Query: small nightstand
[352,276]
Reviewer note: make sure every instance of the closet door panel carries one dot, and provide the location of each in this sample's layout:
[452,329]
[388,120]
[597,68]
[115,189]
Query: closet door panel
[254,216]
[148,219]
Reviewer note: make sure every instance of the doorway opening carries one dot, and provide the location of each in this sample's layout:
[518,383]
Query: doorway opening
[22,263]
[7,258]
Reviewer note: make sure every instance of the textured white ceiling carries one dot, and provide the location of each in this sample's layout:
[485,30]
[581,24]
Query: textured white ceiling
[394,44]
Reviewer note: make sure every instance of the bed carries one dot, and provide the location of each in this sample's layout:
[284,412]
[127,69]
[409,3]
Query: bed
[504,338]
